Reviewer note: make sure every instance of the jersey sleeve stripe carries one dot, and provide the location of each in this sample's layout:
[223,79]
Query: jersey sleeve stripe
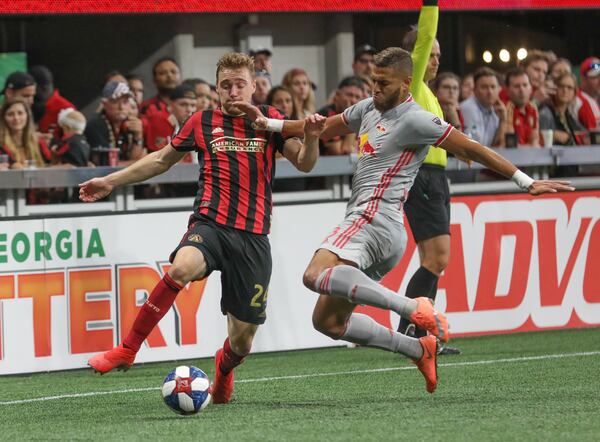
[444,136]
[344,119]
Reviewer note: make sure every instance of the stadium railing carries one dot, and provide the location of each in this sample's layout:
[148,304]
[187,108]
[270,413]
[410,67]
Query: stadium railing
[334,171]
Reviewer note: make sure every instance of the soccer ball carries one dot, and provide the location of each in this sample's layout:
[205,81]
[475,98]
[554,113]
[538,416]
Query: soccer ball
[185,390]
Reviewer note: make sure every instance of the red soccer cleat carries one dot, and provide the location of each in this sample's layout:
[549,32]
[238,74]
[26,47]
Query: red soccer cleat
[119,357]
[222,387]
[428,318]
[427,365]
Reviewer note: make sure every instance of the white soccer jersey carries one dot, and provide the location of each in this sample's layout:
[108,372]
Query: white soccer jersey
[392,147]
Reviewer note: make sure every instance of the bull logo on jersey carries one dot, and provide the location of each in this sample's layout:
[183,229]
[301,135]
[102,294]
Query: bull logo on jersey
[233,144]
[364,147]
[381,128]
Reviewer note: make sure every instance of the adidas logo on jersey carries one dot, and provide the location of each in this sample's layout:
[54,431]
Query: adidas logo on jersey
[217,130]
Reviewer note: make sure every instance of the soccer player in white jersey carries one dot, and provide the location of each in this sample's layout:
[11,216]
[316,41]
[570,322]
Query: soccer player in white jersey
[394,136]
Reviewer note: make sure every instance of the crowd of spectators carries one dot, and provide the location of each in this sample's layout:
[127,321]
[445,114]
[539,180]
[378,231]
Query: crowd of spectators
[539,103]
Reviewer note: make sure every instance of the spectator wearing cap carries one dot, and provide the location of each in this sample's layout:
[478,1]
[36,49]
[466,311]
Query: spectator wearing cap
[263,86]
[349,92]
[297,81]
[18,139]
[159,130]
[48,102]
[72,147]
[589,92]
[262,59]
[167,76]
[484,113]
[364,61]
[202,89]
[20,84]
[136,86]
[522,117]
[113,126]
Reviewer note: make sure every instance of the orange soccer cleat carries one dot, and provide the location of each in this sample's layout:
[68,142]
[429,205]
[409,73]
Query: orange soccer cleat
[119,357]
[427,365]
[222,387]
[428,318]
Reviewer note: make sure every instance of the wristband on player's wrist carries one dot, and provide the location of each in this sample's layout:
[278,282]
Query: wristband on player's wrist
[522,180]
[274,125]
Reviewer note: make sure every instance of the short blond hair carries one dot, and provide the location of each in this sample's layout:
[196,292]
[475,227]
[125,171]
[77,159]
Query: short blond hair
[235,60]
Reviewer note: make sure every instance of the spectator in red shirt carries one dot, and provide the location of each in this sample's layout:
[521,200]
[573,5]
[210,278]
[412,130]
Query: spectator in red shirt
[48,101]
[446,88]
[20,84]
[589,92]
[18,139]
[167,77]
[203,93]
[522,116]
[160,130]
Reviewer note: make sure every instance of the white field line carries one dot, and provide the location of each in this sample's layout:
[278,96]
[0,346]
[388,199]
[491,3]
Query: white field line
[314,375]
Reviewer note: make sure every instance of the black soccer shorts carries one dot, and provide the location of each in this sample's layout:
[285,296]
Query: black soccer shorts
[428,205]
[244,260]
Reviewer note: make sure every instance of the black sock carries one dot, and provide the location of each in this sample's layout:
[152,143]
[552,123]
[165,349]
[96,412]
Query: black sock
[422,283]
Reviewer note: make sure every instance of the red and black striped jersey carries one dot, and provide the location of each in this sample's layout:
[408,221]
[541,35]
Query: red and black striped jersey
[237,166]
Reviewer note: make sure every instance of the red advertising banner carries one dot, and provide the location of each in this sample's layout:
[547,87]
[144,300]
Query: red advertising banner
[517,263]
[206,6]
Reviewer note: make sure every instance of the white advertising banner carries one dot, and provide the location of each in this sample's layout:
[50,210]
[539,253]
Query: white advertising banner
[71,287]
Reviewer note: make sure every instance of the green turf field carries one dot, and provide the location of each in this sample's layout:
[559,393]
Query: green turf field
[516,387]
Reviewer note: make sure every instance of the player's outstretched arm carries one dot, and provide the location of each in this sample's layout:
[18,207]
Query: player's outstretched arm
[304,155]
[462,146]
[334,126]
[147,167]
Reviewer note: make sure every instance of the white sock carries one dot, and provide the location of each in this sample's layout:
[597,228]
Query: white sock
[364,330]
[348,282]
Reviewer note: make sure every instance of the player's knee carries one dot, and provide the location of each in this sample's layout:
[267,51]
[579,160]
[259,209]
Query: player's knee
[241,345]
[182,273]
[311,274]
[437,263]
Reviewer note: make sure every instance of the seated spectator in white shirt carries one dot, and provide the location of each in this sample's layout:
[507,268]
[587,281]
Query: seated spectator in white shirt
[484,113]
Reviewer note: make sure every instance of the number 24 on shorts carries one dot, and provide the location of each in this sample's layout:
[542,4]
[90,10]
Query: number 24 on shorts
[260,293]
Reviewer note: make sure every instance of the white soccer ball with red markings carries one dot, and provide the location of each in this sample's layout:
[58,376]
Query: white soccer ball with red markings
[185,390]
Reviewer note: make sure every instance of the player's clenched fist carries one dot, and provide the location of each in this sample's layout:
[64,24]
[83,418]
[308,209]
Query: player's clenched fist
[94,190]
[314,125]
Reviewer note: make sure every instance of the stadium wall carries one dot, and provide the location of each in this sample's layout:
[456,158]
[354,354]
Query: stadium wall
[71,287]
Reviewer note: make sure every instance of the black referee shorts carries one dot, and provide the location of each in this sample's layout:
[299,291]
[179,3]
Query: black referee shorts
[244,260]
[428,205]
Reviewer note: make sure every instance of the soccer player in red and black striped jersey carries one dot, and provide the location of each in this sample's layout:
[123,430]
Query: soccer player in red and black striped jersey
[232,211]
